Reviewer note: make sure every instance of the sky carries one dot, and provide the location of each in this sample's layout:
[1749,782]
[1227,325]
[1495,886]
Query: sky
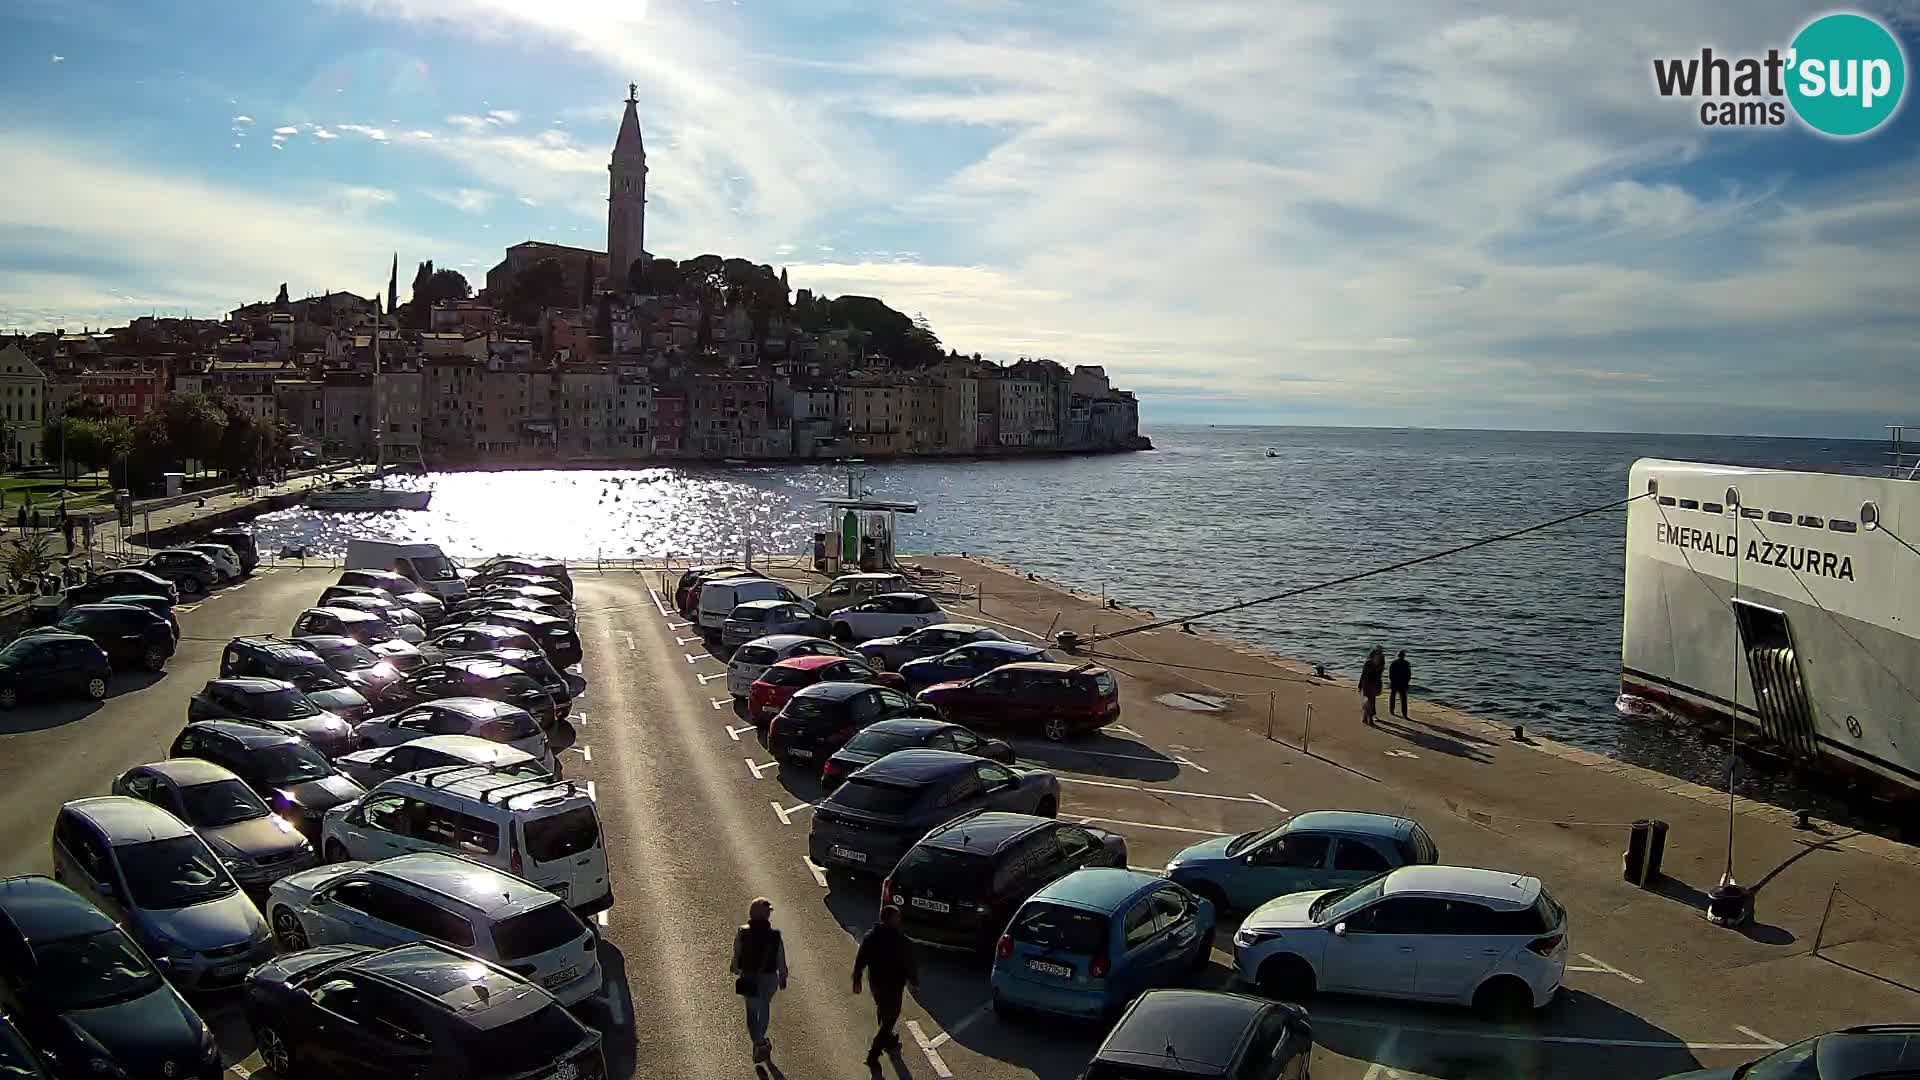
[1397,213]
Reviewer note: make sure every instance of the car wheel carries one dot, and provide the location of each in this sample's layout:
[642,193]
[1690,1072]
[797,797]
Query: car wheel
[335,851]
[191,586]
[156,658]
[287,931]
[97,687]
[1055,729]
[1504,1000]
[275,1054]
[1006,1010]
[1047,808]
[9,697]
[842,632]
[1286,976]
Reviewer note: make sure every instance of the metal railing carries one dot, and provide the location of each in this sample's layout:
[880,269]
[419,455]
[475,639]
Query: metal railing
[1903,451]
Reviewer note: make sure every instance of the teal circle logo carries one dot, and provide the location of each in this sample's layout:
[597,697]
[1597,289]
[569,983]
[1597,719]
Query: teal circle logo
[1847,74]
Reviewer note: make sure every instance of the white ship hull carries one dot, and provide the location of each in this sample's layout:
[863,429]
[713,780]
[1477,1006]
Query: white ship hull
[1817,648]
[367,497]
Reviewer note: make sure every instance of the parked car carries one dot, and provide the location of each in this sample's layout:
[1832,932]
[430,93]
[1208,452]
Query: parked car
[1055,700]
[475,608]
[255,844]
[1494,940]
[751,660]
[414,1010]
[778,683]
[765,618]
[959,884]
[130,636]
[18,1059]
[475,639]
[497,577]
[407,624]
[876,741]
[554,635]
[281,767]
[474,677]
[156,877]
[362,626]
[100,586]
[547,831]
[719,596]
[886,615]
[493,720]
[400,589]
[192,571]
[1320,849]
[290,661]
[535,565]
[157,604]
[225,559]
[364,669]
[243,545]
[889,652]
[53,665]
[875,816]
[683,599]
[1205,1035]
[82,991]
[1862,1052]
[1087,944]
[969,661]
[378,764]
[850,589]
[431,896]
[546,596]
[276,702]
[819,719]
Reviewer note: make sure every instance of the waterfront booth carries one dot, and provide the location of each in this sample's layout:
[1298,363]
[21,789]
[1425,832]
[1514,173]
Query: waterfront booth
[859,533]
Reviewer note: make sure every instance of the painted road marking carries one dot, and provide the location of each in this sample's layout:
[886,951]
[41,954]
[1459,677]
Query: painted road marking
[584,751]
[1157,871]
[786,813]
[1761,1042]
[1042,748]
[975,616]
[966,1022]
[692,659]
[758,768]
[1189,764]
[577,719]
[1148,825]
[1605,968]
[705,679]
[719,701]
[266,570]
[678,625]
[1756,1035]
[592,795]
[1262,798]
[628,634]
[186,607]
[734,732]
[601,918]
[1163,791]
[933,1056]
[658,606]
[1123,729]
[1401,753]
[819,875]
[1387,1047]
[685,640]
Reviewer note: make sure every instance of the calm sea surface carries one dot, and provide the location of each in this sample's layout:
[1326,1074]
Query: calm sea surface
[1526,631]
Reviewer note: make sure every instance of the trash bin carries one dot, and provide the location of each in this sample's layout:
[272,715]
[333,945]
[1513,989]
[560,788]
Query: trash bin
[820,552]
[1646,846]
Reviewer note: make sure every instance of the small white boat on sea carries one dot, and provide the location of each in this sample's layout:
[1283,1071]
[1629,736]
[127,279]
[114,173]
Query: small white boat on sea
[367,495]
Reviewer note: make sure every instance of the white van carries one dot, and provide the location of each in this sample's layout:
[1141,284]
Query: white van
[546,831]
[719,598]
[423,564]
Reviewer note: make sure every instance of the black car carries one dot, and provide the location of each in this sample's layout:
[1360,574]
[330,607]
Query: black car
[376,602]
[366,670]
[18,1059]
[547,572]
[544,595]
[115,582]
[86,996]
[875,816]
[474,639]
[819,719]
[1866,1052]
[888,653]
[960,884]
[290,661]
[421,1009]
[876,741]
[967,661]
[478,605]
[243,545]
[364,627]
[554,634]
[53,665]
[276,702]
[400,589]
[1197,1034]
[474,676]
[159,605]
[193,571]
[131,636]
[283,768]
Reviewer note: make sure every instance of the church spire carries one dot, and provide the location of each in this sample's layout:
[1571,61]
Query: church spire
[629,141]
[626,197]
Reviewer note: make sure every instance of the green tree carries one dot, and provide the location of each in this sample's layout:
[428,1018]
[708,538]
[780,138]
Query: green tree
[88,409]
[194,426]
[447,285]
[152,454]
[544,285]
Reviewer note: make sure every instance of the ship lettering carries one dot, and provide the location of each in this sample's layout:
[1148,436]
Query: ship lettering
[1696,539]
[1800,559]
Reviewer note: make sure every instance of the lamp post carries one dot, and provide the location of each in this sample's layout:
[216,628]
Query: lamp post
[1730,903]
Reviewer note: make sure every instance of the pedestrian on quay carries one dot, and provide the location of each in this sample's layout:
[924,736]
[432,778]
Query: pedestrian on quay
[759,969]
[1371,674]
[23,519]
[86,533]
[66,528]
[886,956]
[1399,681]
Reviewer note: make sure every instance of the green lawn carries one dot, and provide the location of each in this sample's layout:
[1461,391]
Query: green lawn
[84,491]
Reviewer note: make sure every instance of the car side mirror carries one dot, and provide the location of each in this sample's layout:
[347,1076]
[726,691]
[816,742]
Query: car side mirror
[1339,929]
[106,889]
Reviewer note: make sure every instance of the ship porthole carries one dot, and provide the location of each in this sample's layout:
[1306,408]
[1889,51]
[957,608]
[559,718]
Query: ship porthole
[1733,500]
[1653,486]
[1869,516]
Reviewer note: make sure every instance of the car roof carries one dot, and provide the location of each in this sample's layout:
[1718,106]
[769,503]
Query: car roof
[42,909]
[1102,888]
[106,605]
[1050,667]
[763,604]
[345,614]
[901,596]
[1386,826]
[374,572]
[1495,888]
[131,571]
[134,598]
[777,642]
[253,735]
[126,820]
[1869,1050]
[276,646]
[189,772]
[537,618]
[865,576]
[909,725]
[1177,1030]
[808,663]
[405,965]
[956,627]
[477,707]
[367,591]
[471,883]
[51,634]
[987,832]
[317,642]
[471,747]
[911,766]
[479,784]
[485,667]
[834,691]
[1023,648]
[251,684]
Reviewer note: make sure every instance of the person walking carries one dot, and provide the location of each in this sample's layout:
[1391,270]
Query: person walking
[66,527]
[886,956]
[1399,680]
[759,969]
[1371,674]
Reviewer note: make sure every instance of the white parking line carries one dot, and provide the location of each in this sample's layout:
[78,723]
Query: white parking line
[584,751]
[692,659]
[933,1056]
[678,625]
[734,732]
[601,918]
[266,570]
[678,640]
[186,607]
[1148,825]
[705,679]
[1157,871]
[1262,798]
[1189,764]
[1756,1035]
[719,701]
[1164,791]
[786,813]
[759,768]
[1123,729]
[1041,748]
[658,606]
[819,875]
[1606,968]
[577,718]
[628,634]
[592,795]
[966,1022]
[1761,1041]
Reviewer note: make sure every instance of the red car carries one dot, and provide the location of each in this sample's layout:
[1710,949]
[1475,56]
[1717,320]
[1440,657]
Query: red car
[1056,700]
[770,691]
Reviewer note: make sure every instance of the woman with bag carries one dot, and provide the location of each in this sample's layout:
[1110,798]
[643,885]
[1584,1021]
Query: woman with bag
[759,969]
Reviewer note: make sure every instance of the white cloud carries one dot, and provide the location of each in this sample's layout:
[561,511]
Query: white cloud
[358,199]
[323,134]
[288,130]
[58,59]
[502,116]
[374,133]
[243,119]
[467,200]
[419,134]
[526,201]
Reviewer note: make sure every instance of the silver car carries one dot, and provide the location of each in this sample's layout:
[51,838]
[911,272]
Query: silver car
[150,872]
[375,765]
[256,845]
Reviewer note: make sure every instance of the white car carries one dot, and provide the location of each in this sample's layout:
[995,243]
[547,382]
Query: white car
[225,559]
[439,897]
[497,721]
[887,615]
[377,764]
[1493,940]
[751,660]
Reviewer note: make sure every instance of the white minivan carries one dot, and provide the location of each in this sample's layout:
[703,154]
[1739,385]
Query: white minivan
[546,831]
[423,564]
[718,598]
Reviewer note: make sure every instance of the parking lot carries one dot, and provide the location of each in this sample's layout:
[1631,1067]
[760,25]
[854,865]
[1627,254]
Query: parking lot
[699,821]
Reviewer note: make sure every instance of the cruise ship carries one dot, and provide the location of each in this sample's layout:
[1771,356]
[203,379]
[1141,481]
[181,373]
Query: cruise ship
[1786,602]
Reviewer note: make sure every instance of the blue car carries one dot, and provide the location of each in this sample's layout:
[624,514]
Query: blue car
[1092,941]
[1321,849]
[969,660]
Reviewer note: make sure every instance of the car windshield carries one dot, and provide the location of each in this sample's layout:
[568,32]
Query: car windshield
[1341,903]
[756,655]
[1056,926]
[523,1045]
[370,631]
[543,929]
[880,743]
[17,650]
[307,672]
[281,705]
[433,567]
[287,763]
[1797,1062]
[514,725]
[802,707]
[874,796]
[947,872]
[174,873]
[348,656]
[93,970]
[1247,839]
[222,802]
[559,835]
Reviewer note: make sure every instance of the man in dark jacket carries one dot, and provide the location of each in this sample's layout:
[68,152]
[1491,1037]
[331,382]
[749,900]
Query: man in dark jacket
[886,955]
[1399,681]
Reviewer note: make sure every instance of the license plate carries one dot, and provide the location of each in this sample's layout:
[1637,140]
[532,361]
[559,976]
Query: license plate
[567,1071]
[803,755]
[228,971]
[560,978]
[931,905]
[1046,968]
[849,854]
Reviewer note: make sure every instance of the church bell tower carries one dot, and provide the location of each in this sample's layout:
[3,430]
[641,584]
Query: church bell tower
[626,196]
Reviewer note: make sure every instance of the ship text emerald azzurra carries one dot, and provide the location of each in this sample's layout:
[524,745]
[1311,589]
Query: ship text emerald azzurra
[1803,560]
